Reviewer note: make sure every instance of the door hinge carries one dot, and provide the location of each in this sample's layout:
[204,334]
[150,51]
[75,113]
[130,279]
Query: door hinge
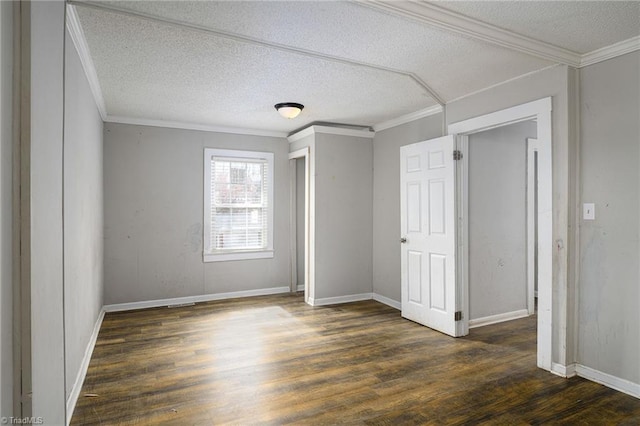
[458,316]
[457,155]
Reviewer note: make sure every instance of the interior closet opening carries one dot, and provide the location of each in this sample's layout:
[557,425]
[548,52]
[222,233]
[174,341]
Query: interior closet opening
[300,232]
[502,219]
[300,203]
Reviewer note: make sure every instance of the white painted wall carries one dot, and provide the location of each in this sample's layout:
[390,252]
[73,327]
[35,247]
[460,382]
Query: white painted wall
[497,220]
[609,293]
[83,214]
[46,162]
[386,199]
[6,227]
[153,200]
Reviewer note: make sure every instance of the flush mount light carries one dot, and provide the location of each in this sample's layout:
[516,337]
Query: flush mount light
[289,109]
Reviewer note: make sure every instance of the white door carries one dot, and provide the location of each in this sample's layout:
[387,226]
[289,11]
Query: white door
[428,226]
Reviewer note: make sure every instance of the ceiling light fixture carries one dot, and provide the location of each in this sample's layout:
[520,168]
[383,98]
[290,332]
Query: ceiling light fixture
[289,109]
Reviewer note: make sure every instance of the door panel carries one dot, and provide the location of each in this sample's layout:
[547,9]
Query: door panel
[437,268]
[437,208]
[414,265]
[428,224]
[414,207]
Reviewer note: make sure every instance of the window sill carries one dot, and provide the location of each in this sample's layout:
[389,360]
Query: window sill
[238,255]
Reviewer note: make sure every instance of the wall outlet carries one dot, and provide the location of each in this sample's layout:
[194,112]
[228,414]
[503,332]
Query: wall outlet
[589,211]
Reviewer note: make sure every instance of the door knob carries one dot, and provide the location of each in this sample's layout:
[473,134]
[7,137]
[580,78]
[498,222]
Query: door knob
[403,240]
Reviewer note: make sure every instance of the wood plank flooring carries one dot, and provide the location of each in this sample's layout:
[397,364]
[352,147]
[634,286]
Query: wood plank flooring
[276,360]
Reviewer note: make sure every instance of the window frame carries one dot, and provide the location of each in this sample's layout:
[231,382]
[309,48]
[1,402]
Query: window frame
[209,254]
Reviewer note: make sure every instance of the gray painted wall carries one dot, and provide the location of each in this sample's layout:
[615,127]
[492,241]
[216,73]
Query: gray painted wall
[386,199]
[342,179]
[497,220]
[344,190]
[153,214]
[65,176]
[83,214]
[609,294]
[46,268]
[6,229]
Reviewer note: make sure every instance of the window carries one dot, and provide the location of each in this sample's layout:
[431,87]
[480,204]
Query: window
[238,205]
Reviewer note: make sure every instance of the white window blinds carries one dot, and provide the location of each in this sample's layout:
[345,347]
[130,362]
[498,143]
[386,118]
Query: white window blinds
[240,203]
[239,214]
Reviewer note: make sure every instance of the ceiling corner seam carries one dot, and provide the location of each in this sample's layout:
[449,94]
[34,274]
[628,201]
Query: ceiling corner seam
[80,42]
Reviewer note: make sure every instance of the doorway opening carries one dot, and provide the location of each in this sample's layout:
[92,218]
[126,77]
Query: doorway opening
[539,112]
[300,196]
[501,209]
[299,220]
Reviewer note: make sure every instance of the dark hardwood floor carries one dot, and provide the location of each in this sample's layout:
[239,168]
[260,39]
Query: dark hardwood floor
[276,360]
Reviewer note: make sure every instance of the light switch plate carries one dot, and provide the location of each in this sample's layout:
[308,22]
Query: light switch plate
[589,211]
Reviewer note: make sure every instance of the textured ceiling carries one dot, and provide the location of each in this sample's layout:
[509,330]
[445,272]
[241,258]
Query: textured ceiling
[150,70]
[447,62]
[227,63]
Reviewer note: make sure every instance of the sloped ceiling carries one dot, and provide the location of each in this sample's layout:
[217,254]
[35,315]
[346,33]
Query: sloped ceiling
[225,64]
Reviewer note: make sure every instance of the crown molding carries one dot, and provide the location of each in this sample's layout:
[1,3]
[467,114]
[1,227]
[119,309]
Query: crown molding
[301,134]
[426,112]
[341,131]
[454,22]
[609,52]
[193,126]
[80,42]
[510,80]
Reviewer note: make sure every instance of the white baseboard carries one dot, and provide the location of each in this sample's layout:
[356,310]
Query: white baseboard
[589,373]
[84,366]
[194,299]
[389,302]
[494,319]
[300,287]
[340,299]
[608,380]
[565,371]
